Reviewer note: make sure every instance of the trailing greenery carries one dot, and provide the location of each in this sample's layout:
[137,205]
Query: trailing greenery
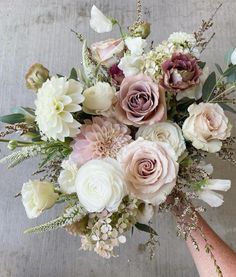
[70,215]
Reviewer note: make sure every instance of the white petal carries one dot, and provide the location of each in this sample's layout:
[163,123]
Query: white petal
[218,184]
[212,198]
[99,22]
[233,57]
[136,45]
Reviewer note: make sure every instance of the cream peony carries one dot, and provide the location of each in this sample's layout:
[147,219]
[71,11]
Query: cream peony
[206,126]
[131,65]
[150,170]
[56,100]
[98,98]
[38,196]
[66,179]
[136,45]
[100,185]
[208,195]
[168,132]
[99,22]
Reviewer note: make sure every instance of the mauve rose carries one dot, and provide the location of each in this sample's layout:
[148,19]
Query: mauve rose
[108,52]
[180,73]
[116,74]
[140,101]
[150,169]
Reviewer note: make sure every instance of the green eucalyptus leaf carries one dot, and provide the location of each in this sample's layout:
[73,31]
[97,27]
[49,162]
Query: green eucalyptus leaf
[201,64]
[73,74]
[208,86]
[12,118]
[231,70]
[219,69]
[227,108]
[145,228]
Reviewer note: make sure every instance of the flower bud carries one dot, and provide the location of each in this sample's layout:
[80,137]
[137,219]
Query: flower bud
[36,76]
[12,145]
[141,30]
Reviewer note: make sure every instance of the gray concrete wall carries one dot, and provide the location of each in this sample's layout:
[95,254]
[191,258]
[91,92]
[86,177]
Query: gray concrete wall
[39,31]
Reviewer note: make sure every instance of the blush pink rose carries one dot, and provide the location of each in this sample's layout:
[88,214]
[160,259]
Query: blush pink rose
[140,101]
[108,52]
[150,170]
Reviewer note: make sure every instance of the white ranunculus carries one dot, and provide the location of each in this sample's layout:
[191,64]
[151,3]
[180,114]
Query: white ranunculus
[136,45]
[168,132]
[56,100]
[208,195]
[100,185]
[38,196]
[131,65]
[67,177]
[99,22]
[145,213]
[206,126]
[98,98]
[196,91]
[233,57]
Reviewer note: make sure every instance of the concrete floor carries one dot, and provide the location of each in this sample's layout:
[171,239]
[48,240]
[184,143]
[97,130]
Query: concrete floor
[39,31]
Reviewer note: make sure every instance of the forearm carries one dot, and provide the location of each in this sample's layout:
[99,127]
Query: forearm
[224,255]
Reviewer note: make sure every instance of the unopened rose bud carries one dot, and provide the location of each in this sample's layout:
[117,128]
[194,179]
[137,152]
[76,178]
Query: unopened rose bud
[141,30]
[36,76]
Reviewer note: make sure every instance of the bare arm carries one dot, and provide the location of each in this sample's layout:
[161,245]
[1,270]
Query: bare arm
[224,255]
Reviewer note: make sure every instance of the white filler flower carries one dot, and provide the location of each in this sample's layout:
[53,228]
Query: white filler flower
[56,100]
[168,132]
[100,185]
[99,22]
[37,196]
[66,179]
[135,45]
[208,195]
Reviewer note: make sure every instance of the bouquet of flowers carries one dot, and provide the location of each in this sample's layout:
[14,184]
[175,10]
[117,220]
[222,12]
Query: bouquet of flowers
[125,135]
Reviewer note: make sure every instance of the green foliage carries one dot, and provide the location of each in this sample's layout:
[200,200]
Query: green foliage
[209,86]
[227,108]
[12,118]
[145,228]
[73,74]
[219,69]
[70,215]
[201,64]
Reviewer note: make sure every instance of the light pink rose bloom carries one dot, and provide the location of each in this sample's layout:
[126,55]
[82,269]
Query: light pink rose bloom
[140,101]
[108,52]
[150,170]
[206,126]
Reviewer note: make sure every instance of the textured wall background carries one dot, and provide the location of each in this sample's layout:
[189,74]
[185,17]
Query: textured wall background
[39,31]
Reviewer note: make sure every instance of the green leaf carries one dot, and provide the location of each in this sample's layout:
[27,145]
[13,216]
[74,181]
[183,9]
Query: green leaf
[201,64]
[73,74]
[219,69]
[59,75]
[12,118]
[208,86]
[145,228]
[231,70]
[227,108]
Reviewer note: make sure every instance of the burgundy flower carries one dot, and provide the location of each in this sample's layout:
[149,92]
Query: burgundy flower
[140,101]
[116,74]
[181,72]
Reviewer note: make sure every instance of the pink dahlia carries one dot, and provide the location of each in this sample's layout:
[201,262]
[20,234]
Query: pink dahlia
[99,138]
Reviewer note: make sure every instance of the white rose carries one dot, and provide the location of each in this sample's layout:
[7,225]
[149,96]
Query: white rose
[67,177]
[167,132]
[136,45]
[131,65]
[37,196]
[98,98]
[233,57]
[208,195]
[100,185]
[196,91]
[99,22]
[206,126]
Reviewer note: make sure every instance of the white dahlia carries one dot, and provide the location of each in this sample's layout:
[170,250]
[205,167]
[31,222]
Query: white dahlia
[56,100]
